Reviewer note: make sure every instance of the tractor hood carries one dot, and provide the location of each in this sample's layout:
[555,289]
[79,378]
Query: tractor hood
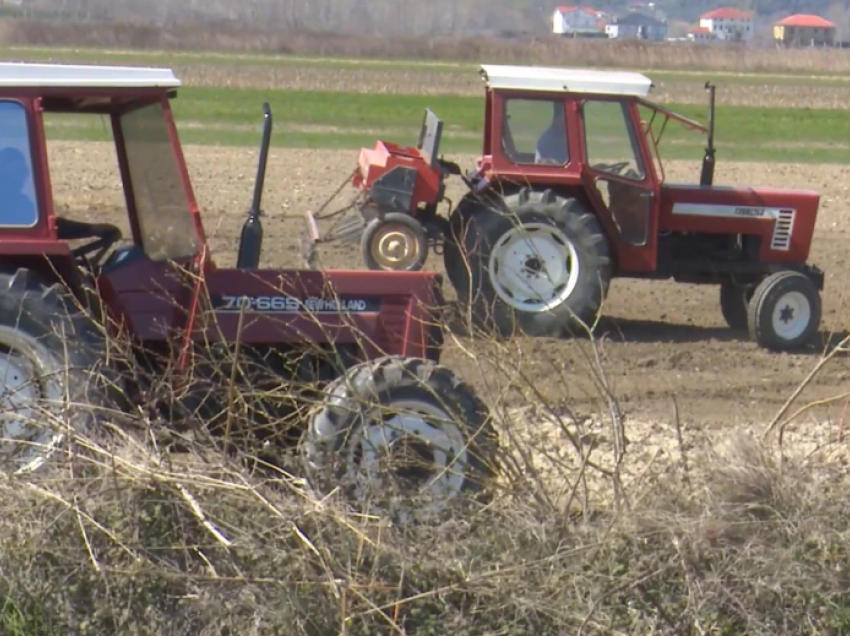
[382,312]
[385,312]
[785,219]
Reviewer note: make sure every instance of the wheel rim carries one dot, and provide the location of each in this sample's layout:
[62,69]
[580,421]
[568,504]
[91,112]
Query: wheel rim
[414,430]
[791,315]
[30,382]
[395,246]
[534,267]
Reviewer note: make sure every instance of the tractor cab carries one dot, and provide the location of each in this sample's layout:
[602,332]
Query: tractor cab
[574,119]
[587,130]
[148,280]
[162,214]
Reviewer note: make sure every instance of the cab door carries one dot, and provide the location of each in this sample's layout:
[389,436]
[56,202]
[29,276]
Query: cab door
[620,181]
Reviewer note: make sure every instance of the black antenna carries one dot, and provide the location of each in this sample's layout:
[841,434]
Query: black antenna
[707,175]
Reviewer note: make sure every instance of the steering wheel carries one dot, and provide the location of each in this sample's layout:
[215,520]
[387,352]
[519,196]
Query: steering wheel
[611,168]
[105,233]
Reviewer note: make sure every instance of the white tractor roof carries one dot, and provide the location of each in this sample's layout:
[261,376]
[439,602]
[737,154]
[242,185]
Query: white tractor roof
[75,75]
[539,78]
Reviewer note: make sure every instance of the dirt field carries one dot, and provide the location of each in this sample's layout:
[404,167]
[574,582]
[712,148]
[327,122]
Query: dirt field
[682,89]
[661,340]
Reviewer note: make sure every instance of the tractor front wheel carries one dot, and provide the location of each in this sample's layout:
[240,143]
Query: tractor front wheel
[49,353]
[400,436]
[537,263]
[785,311]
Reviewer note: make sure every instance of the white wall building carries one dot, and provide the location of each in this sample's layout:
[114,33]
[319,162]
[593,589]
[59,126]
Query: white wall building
[575,19]
[728,23]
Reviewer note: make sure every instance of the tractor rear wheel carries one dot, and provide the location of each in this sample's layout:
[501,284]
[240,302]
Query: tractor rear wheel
[400,436]
[785,311]
[49,351]
[536,263]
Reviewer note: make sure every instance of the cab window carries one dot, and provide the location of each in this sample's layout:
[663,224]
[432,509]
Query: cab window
[613,152]
[535,131]
[611,145]
[18,204]
[162,207]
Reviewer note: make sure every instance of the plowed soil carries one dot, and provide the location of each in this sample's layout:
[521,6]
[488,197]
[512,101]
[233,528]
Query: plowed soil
[659,340]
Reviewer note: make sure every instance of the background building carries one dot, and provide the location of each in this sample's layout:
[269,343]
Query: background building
[804,30]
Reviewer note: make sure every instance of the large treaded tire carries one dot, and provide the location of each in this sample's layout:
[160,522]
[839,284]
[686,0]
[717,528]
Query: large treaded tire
[65,350]
[784,291]
[479,225]
[342,435]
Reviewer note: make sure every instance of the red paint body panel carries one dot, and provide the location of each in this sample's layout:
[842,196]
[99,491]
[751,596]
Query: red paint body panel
[406,304]
[148,298]
[374,162]
[804,202]
[152,300]
[32,244]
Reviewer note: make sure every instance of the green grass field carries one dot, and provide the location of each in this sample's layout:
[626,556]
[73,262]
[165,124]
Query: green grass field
[343,117]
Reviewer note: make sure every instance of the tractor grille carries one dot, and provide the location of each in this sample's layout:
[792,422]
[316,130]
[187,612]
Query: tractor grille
[782,231]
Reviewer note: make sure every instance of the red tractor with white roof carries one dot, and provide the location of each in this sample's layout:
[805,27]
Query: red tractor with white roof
[570,192]
[344,365]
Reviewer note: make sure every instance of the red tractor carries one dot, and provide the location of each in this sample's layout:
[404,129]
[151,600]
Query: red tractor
[569,192]
[358,350]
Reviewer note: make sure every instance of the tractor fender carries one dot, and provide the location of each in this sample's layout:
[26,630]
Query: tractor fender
[49,267]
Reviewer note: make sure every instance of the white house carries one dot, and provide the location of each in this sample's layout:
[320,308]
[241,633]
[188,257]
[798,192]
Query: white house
[575,19]
[728,23]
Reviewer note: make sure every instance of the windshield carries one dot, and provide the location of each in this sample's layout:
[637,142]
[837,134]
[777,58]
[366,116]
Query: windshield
[682,136]
[167,230]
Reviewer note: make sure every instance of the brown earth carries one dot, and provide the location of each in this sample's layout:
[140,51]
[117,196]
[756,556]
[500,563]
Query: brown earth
[467,83]
[660,340]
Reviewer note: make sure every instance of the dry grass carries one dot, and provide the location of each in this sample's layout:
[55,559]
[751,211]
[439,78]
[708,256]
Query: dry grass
[757,548]
[711,62]
[543,50]
[586,534]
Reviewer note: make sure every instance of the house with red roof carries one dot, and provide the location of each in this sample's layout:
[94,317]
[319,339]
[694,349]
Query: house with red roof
[577,20]
[701,34]
[728,23]
[804,30]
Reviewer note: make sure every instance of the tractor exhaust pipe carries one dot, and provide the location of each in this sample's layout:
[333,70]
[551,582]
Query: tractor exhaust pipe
[707,175]
[251,241]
